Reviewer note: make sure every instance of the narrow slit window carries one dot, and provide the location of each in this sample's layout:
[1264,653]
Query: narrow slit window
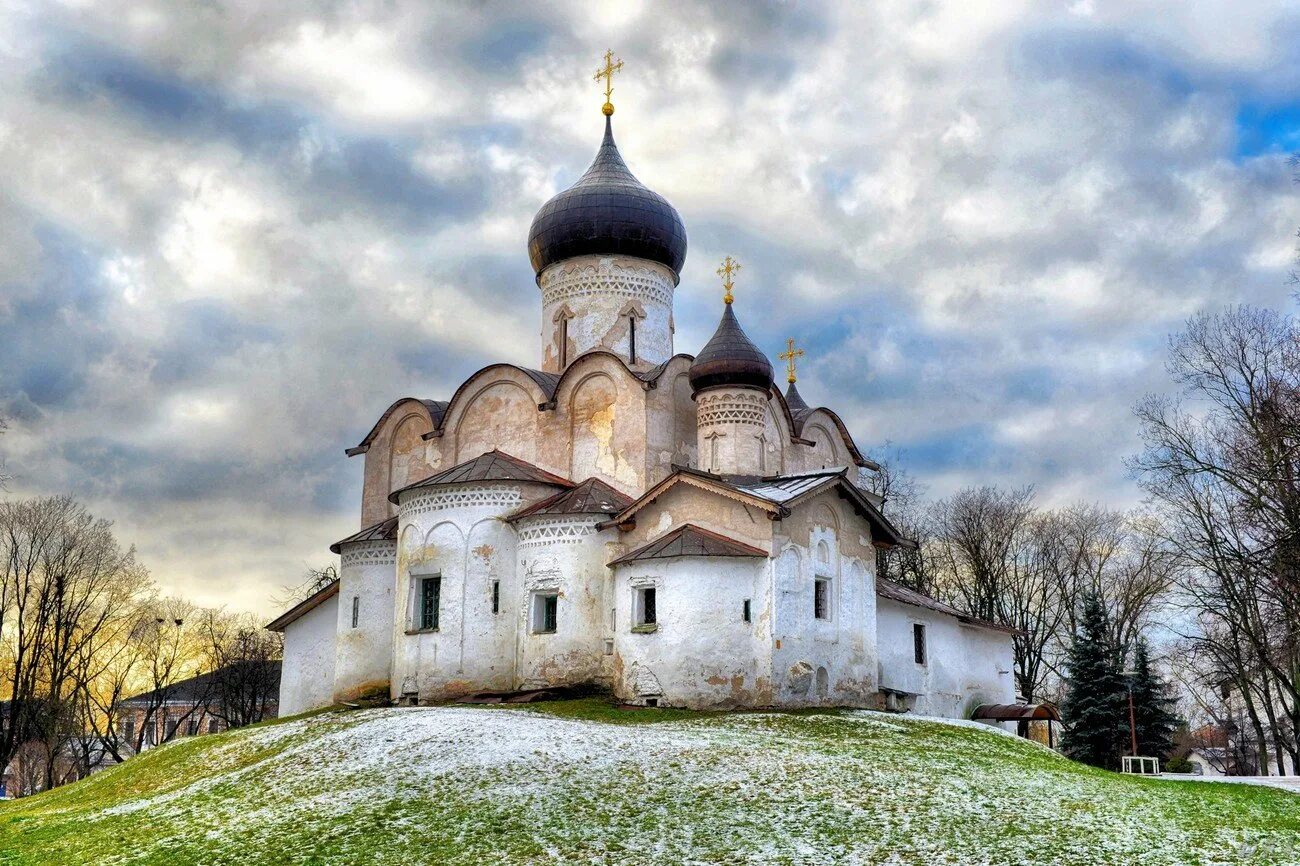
[631,338]
[822,599]
[356,610]
[430,596]
[744,612]
[918,642]
[496,596]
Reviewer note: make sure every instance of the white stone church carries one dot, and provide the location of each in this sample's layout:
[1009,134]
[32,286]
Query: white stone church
[671,528]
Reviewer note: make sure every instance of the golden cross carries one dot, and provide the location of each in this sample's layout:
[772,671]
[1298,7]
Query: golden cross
[788,356]
[608,74]
[729,267]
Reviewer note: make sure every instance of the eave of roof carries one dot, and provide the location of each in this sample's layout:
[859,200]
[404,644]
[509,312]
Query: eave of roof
[437,410]
[761,493]
[384,530]
[494,465]
[689,540]
[306,606]
[903,595]
[591,496]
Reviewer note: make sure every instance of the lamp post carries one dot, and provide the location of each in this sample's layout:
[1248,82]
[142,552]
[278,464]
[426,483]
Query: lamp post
[1132,718]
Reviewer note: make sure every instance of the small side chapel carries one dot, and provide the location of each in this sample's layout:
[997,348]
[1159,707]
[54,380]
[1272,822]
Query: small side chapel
[672,528]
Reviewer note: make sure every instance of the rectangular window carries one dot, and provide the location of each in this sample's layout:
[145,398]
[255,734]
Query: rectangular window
[744,612]
[212,726]
[128,730]
[645,613]
[545,612]
[918,642]
[192,727]
[430,595]
[172,725]
[356,610]
[496,596]
[822,598]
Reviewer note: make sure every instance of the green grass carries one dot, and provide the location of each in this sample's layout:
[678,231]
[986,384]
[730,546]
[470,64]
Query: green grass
[587,782]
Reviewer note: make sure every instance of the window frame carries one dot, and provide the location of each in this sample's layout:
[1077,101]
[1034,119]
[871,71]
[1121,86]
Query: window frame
[356,610]
[421,620]
[544,612]
[920,644]
[746,611]
[496,597]
[822,605]
[645,617]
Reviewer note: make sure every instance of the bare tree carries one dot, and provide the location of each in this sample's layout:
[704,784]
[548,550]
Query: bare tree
[902,500]
[246,667]
[1222,463]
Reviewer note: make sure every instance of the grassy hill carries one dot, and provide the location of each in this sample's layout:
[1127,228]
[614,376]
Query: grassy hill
[582,782]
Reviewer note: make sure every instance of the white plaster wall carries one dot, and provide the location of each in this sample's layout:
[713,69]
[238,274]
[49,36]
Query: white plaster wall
[307,676]
[364,655]
[565,554]
[966,665]
[823,662]
[702,654]
[732,433]
[597,293]
[457,531]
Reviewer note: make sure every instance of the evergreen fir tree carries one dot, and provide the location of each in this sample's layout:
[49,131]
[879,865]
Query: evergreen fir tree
[1095,710]
[1152,707]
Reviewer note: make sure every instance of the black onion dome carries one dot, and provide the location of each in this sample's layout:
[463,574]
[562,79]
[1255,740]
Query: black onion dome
[730,358]
[608,211]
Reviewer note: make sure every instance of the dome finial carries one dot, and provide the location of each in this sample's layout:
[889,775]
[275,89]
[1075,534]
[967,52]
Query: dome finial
[611,66]
[788,356]
[729,267]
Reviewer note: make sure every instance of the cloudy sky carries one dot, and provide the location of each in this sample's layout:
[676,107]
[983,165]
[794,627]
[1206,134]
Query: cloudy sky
[232,233]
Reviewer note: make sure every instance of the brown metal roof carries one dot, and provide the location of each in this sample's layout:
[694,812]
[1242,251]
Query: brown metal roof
[899,593]
[492,466]
[1016,712]
[384,530]
[592,496]
[690,540]
[307,605]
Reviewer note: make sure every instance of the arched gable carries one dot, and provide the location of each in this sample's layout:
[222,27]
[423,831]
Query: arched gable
[603,405]
[499,413]
[394,450]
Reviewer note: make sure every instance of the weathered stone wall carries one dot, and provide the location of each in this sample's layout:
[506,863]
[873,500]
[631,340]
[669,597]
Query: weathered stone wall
[587,302]
[395,459]
[686,504]
[307,675]
[364,653]
[965,665]
[456,532]
[701,652]
[564,554]
[732,436]
[830,661]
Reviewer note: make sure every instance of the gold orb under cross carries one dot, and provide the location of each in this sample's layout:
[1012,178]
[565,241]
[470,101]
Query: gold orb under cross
[729,267]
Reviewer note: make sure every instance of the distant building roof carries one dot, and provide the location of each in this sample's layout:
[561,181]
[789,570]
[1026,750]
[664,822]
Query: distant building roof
[308,604]
[1017,712]
[195,689]
[492,466]
[384,530]
[592,496]
[901,594]
[690,540]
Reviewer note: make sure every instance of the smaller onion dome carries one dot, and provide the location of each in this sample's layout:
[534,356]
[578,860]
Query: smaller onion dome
[730,358]
[795,401]
[607,212]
